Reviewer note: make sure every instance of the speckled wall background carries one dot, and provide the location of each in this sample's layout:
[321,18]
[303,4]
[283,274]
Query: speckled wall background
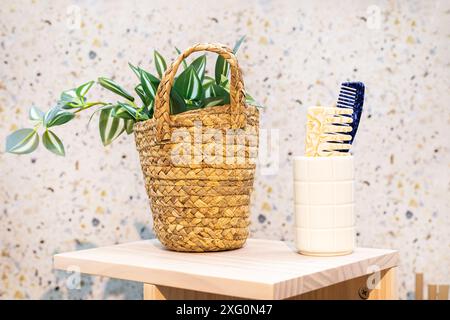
[296,54]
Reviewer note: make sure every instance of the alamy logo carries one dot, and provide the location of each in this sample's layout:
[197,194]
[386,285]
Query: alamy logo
[197,144]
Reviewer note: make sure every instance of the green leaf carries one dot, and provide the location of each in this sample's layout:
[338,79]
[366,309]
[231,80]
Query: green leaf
[147,110]
[148,84]
[206,84]
[199,66]
[121,113]
[114,87]
[250,100]
[69,99]
[58,118]
[53,143]
[135,70]
[110,128]
[22,141]
[150,109]
[129,126]
[51,114]
[207,81]
[213,101]
[84,88]
[124,111]
[238,44]
[150,76]
[184,61]
[109,106]
[223,80]
[188,84]
[36,114]
[140,92]
[177,103]
[160,63]
[225,83]
[218,91]
[75,98]
[222,66]
[141,114]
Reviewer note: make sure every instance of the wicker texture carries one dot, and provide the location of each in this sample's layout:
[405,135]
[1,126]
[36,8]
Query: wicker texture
[200,205]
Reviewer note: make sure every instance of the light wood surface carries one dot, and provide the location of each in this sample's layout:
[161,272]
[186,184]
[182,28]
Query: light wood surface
[263,269]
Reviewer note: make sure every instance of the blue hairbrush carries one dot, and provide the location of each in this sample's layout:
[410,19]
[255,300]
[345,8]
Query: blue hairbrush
[351,96]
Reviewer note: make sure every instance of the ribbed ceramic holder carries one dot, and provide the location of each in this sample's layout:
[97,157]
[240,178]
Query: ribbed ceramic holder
[324,205]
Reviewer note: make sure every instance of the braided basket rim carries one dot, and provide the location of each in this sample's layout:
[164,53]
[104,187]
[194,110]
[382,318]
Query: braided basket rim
[174,118]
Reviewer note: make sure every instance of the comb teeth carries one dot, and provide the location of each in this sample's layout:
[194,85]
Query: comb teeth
[351,96]
[347,97]
[328,131]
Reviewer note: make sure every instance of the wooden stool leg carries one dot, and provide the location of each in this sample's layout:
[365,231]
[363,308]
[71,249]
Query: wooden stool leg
[356,289]
[443,292]
[419,286]
[432,292]
[151,292]
[388,286]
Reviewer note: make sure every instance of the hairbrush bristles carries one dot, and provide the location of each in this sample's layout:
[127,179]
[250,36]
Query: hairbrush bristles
[328,131]
[351,96]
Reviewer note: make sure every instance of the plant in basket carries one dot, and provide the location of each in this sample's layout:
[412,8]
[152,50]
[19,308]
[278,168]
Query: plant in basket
[198,205]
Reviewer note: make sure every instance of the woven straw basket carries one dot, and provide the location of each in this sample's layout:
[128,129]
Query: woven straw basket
[200,205]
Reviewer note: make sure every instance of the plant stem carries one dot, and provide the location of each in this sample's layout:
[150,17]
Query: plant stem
[89,105]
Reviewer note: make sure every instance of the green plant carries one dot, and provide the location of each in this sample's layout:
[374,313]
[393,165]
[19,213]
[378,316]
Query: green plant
[193,89]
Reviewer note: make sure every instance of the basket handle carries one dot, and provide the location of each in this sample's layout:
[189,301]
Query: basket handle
[237,94]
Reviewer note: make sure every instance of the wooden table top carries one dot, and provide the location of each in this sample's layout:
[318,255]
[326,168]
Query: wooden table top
[262,269]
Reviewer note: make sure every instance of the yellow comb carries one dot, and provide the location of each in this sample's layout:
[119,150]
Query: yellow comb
[327,131]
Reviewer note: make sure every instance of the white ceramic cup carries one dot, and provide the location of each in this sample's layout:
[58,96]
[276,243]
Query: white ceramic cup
[324,205]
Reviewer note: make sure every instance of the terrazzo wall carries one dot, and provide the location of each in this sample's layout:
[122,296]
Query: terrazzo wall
[296,54]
